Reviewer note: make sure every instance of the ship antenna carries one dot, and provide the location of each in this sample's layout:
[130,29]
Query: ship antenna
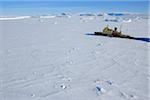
[107,25]
[120,27]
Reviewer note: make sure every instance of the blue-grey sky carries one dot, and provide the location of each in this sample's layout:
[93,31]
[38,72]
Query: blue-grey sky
[138,6]
[74,0]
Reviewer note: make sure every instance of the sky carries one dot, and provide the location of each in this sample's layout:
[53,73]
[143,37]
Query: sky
[48,6]
[74,0]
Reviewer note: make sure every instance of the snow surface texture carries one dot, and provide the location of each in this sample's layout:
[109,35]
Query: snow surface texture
[52,58]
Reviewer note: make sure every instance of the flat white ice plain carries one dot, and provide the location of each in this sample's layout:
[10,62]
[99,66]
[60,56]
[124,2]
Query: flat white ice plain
[53,58]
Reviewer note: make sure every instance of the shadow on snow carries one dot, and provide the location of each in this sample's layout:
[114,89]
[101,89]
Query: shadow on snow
[145,39]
